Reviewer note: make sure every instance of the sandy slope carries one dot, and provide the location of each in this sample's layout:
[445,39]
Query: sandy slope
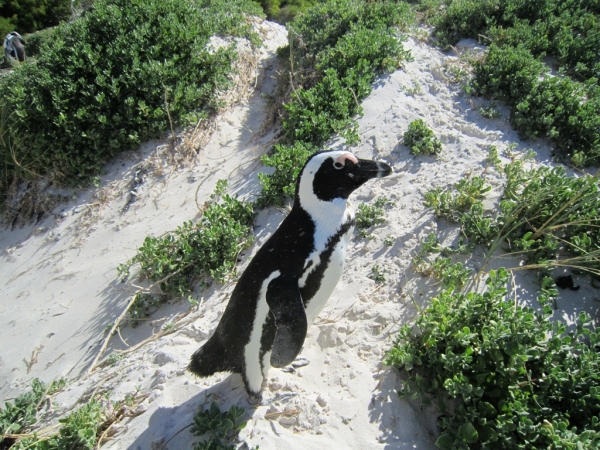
[59,288]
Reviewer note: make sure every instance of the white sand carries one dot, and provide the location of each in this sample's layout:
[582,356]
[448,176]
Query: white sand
[59,288]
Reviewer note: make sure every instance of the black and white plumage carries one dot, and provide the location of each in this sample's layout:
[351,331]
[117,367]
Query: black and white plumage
[289,280]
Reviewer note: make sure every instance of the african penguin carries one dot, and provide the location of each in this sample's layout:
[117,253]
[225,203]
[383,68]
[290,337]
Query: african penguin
[288,282]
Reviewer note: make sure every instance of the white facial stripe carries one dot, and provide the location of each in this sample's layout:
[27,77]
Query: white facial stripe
[328,216]
[254,371]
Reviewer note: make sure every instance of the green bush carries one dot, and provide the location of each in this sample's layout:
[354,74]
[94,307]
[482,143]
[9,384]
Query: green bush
[288,161]
[532,37]
[336,50]
[79,430]
[421,139]
[20,414]
[568,30]
[206,249]
[220,428]
[283,11]
[35,42]
[346,71]
[547,218]
[110,80]
[367,216]
[464,18]
[557,108]
[566,112]
[545,213]
[507,73]
[32,15]
[451,205]
[519,380]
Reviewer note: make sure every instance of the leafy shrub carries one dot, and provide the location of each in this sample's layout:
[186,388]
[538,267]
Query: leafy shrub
[321,26]
[222,427]
[35,42]
[554,107]
[507,73]
[522,34]
[368,216]
[336,50]
[545,213]
[106,80]
[283,11]
[576,41]
[565,111]
[558,108]
[568,30]
[79,430]
[546,217]
[421,139]
[316,113]
[208,248]
[19,415]
[451,274]
[33,15]
[464,18]
[288,161]
[346,72]
[518,379]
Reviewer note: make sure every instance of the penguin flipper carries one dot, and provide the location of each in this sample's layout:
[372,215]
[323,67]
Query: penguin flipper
[287,307]
[210,358]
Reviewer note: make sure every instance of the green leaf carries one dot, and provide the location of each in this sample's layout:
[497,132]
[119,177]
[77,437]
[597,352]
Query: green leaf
[468,433]
[487,434]
[445,442]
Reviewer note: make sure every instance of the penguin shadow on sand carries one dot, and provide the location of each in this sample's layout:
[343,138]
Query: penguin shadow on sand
[169,428]
[404,424]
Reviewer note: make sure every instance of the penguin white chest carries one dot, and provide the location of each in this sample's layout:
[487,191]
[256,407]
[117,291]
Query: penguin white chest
[331,275]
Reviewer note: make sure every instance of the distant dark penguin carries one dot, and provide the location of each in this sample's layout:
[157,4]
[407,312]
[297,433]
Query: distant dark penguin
[14,47]
[288,282]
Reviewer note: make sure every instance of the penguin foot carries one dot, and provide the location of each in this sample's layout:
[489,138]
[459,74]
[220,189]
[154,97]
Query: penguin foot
[300,362]
[254,399]
[296,364]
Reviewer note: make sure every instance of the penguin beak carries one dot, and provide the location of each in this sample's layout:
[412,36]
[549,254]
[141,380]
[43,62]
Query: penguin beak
[367,170]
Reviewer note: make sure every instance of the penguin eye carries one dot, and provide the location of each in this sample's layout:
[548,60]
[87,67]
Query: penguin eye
[338,165]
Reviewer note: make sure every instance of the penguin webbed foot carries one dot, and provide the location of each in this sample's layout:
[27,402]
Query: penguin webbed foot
[254,399]
[296,364]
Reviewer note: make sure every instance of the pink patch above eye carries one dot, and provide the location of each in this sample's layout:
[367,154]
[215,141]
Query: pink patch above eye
[346,157]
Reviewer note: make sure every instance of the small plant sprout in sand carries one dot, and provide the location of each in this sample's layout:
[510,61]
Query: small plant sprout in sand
[377,274]
[413,90]
[421,139]
[220,428]
[368,216]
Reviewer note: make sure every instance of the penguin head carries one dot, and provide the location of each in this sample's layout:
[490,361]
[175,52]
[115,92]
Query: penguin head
[335,174]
